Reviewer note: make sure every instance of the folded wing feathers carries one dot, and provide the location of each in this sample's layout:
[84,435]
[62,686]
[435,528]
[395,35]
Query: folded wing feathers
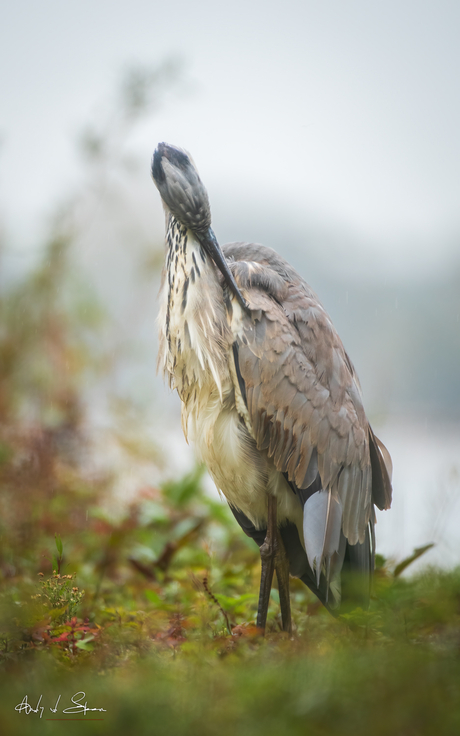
[305,408]
[324,433]
[285,443]
[302,462]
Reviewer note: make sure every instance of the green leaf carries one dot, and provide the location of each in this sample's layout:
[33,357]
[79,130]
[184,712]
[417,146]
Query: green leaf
[418,552]
[56,613]
[152,512]
[182,491]
[85,644]
[154,598]
[58,541]
[380,562]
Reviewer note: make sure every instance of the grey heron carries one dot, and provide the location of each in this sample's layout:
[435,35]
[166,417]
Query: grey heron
[270,398]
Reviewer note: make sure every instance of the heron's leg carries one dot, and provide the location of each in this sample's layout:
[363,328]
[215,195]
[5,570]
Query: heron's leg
[267,557]
[282,575]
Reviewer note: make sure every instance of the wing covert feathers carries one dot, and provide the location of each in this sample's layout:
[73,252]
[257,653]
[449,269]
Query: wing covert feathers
[303,397]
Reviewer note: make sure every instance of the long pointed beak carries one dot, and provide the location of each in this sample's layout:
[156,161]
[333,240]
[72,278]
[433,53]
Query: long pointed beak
[209,242]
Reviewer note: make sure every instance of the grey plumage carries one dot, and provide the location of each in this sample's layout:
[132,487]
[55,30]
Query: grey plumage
[297,373]
[269,393]
[181,188]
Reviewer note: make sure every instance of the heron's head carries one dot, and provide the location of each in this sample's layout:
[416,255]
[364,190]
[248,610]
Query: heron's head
[181,188]
[185,197]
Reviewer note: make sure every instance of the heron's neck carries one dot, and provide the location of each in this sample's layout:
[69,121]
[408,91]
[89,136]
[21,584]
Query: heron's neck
[186,259]
[193,323]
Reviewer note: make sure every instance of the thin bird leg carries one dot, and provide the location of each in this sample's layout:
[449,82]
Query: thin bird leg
[267,557]
[282,575]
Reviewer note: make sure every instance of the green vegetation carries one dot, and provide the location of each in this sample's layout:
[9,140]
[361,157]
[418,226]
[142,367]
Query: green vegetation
[152,617]
[148,606]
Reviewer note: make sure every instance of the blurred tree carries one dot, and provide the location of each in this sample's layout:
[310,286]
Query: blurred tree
[58,341]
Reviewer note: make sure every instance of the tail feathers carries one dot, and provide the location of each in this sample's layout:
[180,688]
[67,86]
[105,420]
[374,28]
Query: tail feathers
[322,523]
[382,469]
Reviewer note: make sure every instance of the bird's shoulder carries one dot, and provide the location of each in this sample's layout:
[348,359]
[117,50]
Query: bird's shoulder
[257,266]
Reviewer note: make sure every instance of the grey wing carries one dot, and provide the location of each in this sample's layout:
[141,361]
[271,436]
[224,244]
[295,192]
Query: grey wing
[304,401]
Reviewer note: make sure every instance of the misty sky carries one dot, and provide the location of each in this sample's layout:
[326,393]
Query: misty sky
[343,111]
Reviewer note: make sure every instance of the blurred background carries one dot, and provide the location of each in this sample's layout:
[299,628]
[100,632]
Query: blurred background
[328,131]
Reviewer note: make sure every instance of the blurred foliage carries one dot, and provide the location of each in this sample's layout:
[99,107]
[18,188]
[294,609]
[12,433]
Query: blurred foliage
[149,609]
[151,615]
[163,631]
